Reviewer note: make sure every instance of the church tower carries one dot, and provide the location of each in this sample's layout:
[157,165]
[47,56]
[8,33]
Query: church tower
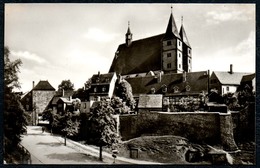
[186,50]
[172,58]
[128,36]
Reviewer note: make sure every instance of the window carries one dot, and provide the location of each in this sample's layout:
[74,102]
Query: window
[188,50]
[97,80]
[152,90]
[85,105]
[27,99]
[103,89]
[169,55]
[189,61]
[95,89]
[176,89]
[227,89]
[169,43]
[169,65]
[179,43]
[187,88]
[164,88]
[179,65]
[179,55]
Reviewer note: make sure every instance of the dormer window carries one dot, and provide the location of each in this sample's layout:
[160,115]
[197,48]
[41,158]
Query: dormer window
[176,89]
[188,88]
[152,90]
[164,88]
[107,80]
[97,80]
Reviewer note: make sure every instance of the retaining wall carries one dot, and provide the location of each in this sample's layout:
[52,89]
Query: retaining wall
[208,127]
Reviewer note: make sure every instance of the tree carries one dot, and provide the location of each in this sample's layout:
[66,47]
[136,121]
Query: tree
[103,126]
[119,106]
[66,85]
[14,114]
[123,90]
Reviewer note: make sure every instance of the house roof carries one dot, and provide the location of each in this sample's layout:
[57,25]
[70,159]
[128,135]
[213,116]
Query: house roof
[184,36]
[102,78]
[141,56]
[44,85]
[247,78]
[196,81]
[65,100]
[172,29]
[229,78]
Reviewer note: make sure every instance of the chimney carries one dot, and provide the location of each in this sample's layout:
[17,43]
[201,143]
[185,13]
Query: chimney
[98,73]
[231,69]
[33,84]
[62,93]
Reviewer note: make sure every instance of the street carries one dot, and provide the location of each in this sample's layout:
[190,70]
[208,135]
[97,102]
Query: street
[49,149]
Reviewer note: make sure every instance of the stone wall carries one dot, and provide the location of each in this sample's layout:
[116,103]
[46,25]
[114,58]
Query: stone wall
[208,127]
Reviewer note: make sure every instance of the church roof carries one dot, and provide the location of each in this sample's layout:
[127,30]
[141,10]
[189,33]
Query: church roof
[184,36]
[141,56]
[196,81]
[229,78]
[172,29]
[44,85]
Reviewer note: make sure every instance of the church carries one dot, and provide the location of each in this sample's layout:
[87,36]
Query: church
[161,64]
[169,52]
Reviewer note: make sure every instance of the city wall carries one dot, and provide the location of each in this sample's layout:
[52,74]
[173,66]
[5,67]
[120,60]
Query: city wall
[208,127]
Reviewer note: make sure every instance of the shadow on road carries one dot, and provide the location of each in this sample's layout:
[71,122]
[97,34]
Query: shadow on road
[77,157]
[52,144]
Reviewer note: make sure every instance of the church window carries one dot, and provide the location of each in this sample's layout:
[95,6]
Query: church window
[169,43]
[169,65]
[169,55]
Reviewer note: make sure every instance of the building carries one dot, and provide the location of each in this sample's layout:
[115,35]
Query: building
[102,85]
[248,82]
[169,52]
[38,99]
[175,87]
[225,82]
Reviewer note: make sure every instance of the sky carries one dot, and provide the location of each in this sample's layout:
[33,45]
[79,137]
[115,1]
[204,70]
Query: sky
[74,41]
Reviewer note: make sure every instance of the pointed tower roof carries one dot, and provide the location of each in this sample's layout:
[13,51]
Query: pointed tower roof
[172,29]
[184,36]
[128,30]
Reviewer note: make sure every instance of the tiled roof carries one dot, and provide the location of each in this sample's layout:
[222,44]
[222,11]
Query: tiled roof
[184,36]
[102,78]
[44,85]
[141,56]
[197,81]
[230,78]
[247,78]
